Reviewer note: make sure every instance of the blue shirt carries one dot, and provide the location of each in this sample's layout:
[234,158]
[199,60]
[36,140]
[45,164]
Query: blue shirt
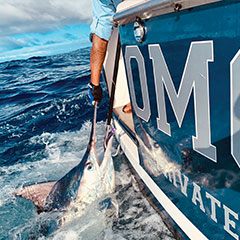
[102,10]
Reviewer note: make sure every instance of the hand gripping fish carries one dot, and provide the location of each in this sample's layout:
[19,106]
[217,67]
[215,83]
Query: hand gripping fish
[89,181]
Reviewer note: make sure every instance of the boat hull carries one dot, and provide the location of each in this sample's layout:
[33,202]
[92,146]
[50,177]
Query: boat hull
[184,84]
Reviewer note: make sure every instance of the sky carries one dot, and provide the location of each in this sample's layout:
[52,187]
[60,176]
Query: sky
[43,27]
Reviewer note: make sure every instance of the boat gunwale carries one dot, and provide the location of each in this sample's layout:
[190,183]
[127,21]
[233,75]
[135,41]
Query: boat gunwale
[153,8]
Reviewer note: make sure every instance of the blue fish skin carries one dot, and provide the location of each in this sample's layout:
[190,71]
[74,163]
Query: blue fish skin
[66,189]
[91,180]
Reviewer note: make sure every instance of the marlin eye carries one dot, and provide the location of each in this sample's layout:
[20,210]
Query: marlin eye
[89,166]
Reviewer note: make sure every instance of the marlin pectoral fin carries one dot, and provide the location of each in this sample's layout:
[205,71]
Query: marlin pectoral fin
[37,193]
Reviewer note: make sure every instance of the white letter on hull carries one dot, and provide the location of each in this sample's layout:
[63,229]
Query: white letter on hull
[195,78]
[133,52]
[235,107]
[184,183]
[197,196]
[228,221]
[214,201]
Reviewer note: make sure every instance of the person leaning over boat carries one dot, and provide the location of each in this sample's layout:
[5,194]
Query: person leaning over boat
[101,30]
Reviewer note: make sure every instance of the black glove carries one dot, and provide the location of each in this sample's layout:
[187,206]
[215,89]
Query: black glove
[95,93]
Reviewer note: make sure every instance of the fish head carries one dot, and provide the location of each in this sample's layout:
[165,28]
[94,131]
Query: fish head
[91,179]
[98,177]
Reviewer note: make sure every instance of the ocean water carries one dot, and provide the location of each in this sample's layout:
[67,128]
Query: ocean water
[45,122]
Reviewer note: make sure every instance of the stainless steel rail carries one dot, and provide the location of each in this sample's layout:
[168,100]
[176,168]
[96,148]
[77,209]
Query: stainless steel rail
[154,8]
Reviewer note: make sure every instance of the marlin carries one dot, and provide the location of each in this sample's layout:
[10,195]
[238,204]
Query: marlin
[90,180]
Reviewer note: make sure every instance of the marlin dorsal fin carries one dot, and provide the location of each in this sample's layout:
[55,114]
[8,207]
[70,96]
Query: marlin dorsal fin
[37,193]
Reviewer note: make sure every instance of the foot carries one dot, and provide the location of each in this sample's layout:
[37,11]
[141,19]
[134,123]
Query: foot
[127,108]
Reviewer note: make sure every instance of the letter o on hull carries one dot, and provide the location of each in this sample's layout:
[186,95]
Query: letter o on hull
[133,52]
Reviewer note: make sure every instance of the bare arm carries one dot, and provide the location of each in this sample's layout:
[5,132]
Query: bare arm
[98,53]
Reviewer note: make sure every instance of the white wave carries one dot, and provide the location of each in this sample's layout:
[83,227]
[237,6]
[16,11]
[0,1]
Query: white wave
[62,152]
[136,219]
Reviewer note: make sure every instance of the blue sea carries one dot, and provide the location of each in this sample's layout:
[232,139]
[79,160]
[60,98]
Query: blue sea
[45,122]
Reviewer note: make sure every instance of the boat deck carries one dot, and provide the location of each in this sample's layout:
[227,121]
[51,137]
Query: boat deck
[125,117]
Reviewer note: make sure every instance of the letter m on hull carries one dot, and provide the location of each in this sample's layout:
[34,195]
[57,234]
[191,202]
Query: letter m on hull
[194,79]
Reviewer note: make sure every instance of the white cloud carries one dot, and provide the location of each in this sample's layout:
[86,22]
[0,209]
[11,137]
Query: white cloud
[25,16]
[48,49]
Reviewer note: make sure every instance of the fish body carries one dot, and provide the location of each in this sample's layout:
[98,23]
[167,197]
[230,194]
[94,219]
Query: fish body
[89,181]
